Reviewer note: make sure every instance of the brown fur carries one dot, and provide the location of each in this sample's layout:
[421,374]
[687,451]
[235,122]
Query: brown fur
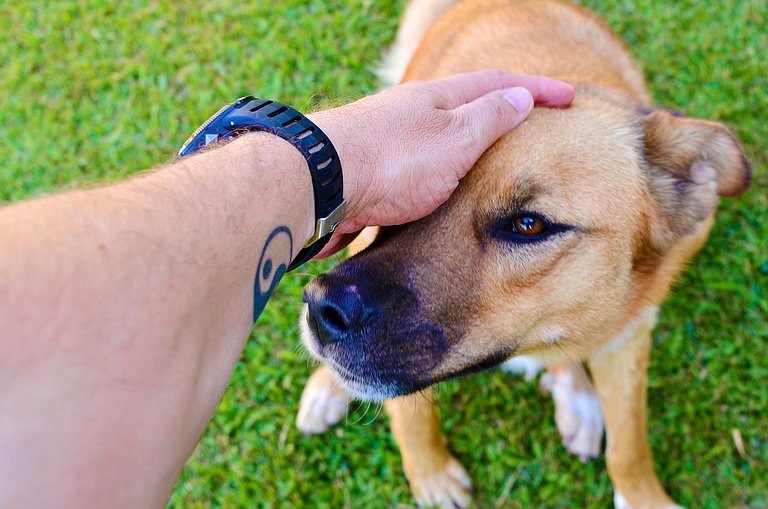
[637,188]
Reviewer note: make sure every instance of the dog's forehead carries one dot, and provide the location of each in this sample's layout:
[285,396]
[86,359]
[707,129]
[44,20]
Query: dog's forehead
[576,162]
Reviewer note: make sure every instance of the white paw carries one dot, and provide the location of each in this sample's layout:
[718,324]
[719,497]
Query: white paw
[525,365]
[447,489]
[322,405]
[619,502]
[578,414]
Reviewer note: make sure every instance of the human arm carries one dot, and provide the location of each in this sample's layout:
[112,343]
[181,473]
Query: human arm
[125,308]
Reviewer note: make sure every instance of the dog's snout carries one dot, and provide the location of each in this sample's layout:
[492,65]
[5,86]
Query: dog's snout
[335,312]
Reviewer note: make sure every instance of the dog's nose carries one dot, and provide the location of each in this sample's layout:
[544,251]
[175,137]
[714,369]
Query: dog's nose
[336,312]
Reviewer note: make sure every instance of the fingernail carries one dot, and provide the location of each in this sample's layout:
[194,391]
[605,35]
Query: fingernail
[520,99]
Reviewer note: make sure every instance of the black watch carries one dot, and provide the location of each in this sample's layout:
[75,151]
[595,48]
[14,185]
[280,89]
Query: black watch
[251,114]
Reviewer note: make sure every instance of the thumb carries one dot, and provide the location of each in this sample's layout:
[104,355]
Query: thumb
[494,114]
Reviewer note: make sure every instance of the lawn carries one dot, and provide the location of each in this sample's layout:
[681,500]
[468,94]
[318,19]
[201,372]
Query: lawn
[93,91]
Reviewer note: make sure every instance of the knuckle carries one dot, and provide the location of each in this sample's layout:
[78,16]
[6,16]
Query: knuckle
[472,123]
[498,74]
[463,120]
[415,84]
[422,89]
[442,95]
[499,110]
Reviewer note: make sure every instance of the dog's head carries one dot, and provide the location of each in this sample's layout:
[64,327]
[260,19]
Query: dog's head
[558,228]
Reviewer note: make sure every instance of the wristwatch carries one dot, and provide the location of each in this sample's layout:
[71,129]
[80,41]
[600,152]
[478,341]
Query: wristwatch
[251,114]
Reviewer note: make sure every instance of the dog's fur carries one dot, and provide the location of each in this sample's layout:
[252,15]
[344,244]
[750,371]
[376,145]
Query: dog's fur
[631,190]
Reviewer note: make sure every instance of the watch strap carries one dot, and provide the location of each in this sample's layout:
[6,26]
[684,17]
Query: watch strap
[251,114]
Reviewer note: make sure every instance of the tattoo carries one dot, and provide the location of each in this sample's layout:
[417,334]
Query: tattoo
[270,269]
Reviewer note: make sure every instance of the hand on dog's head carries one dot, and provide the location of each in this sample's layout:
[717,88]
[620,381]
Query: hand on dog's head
[562,230]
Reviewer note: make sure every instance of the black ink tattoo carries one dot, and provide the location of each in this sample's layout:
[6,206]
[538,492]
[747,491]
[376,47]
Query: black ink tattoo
[270,270]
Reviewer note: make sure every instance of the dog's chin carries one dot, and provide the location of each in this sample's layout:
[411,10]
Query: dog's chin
[357,387]
[365,391]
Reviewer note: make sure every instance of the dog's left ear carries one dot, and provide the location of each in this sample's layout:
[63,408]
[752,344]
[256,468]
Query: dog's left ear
[691,162]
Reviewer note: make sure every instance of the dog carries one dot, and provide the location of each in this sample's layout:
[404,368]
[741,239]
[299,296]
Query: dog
[555,251]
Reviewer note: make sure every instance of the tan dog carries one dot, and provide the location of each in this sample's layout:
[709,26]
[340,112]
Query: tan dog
[559,245]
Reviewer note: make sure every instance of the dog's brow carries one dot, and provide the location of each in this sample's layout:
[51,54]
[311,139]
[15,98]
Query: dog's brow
[516,198]
[521,194]
[519,201]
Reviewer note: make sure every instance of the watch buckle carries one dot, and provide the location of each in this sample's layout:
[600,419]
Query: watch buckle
[326,225]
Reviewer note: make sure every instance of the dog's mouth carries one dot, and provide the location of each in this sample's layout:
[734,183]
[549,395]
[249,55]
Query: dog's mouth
[374,370]
[359,387]
[372,326]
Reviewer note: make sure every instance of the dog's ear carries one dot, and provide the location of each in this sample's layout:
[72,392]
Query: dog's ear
[691,162]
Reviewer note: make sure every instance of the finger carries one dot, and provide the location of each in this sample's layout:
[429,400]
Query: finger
[337,243]
[464,88]
[492,115]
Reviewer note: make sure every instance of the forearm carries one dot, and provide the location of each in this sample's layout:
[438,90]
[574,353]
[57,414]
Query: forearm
[139,327]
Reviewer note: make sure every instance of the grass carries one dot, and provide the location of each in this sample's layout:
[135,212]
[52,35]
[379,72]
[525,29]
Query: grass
[93,90]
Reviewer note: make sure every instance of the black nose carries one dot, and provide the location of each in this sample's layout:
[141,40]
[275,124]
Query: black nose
[335,313]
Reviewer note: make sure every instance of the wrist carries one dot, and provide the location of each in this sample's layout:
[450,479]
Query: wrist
[294,184]
[323,165]
[353,157]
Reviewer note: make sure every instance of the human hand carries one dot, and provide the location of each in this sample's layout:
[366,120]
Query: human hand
[404,150]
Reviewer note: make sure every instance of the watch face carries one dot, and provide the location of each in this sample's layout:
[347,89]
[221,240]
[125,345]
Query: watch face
[200,139]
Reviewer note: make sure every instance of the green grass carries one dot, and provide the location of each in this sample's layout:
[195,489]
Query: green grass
[91,90]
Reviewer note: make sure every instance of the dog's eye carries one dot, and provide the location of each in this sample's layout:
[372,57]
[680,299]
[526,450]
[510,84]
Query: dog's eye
[524,227]
[530,226]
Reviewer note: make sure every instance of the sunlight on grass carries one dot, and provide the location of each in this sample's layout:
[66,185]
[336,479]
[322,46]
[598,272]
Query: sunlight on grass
[93,90]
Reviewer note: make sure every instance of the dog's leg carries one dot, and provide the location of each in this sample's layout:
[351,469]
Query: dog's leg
[578,415]
[621,379]
[323,403]
[436,477]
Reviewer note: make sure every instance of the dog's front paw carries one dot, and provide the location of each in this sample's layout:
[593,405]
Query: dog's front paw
[323,403]
[578,414]
[446,487]
[619,502]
